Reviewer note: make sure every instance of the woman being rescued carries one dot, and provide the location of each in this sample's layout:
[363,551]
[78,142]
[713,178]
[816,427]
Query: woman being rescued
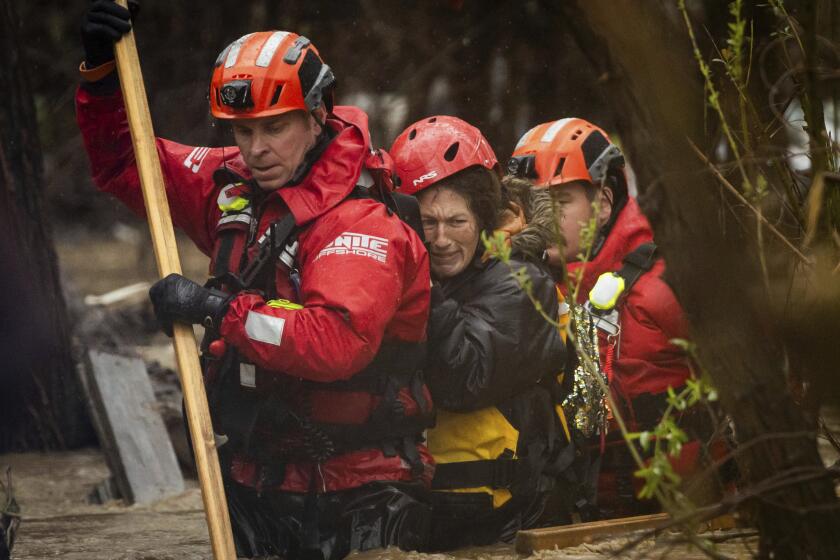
[493,361]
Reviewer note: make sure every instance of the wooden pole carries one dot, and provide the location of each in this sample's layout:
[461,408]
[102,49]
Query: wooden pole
[166,254]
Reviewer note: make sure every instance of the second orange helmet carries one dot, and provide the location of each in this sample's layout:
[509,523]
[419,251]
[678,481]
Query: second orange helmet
[565,150]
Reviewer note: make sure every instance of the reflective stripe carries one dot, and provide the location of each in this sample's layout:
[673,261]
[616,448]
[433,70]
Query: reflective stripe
[287,257]
[553,130]
[244,217]
[222,55]
[247,375]
[524,138]
[264,328]
[233,54]
[270,47]
[365,179]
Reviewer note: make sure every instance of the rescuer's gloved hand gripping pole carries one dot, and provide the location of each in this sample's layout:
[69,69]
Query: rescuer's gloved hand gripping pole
[176,298]
[166,254]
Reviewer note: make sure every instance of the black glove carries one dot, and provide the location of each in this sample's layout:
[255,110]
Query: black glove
[176,298]
[104,23]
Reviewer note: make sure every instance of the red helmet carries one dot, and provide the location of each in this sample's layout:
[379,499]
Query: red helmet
[268,73]
[566,150]
[435,148]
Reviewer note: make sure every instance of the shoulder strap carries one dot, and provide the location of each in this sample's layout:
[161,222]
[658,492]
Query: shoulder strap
[636,263]
[404,206]
[408,209]
[270,245]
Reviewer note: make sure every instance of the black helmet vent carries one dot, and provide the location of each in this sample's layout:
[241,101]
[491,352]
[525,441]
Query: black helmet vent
[451,152]
[276,97]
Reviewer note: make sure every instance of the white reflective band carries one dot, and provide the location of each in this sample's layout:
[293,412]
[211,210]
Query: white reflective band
[270,47]
[524,138]
[365,179]
[233,53]
[553,130]
[222,55]
[264,328]
[287,257]
[248,375]
[244,217]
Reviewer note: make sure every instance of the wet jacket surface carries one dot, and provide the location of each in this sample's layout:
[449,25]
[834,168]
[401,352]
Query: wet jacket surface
[491,355]
[650,315]
[353,300]
[487,342]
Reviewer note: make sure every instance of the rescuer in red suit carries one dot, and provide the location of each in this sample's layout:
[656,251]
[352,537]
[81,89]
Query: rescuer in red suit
[580,166]
[318,300]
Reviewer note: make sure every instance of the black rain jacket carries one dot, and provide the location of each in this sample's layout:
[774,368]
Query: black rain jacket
[487,342]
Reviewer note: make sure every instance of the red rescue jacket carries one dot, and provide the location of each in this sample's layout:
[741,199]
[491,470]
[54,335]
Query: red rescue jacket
[650,315]
[353,300]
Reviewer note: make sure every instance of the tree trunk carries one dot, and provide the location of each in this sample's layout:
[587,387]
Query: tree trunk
[713,269]
[41,405]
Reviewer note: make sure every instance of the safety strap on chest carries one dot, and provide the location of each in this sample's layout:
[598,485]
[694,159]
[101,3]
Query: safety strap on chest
[636,263]
[279,240]
[270,247]
[612,288]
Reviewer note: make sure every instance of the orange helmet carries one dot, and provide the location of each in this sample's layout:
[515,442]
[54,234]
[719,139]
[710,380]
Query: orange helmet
[269,73]
[565,150]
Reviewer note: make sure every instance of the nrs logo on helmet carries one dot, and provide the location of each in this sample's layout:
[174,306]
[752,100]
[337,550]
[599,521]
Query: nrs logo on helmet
[422,178]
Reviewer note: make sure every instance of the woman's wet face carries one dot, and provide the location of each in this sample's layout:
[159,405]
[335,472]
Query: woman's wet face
[451,230]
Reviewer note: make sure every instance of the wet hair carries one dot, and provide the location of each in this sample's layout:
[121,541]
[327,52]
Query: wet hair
[541,230]
[482,190]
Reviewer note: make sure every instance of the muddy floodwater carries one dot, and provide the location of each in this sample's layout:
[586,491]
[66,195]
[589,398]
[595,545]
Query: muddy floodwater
[58,522]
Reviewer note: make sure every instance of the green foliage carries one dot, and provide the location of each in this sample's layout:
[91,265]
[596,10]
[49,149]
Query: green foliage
[497,246]
[588,234]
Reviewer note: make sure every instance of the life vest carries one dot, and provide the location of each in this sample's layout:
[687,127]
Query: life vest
[604,308]
[511,457]
[269,418]
[496,454]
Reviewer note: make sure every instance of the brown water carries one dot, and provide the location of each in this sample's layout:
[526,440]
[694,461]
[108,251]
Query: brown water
[58,522]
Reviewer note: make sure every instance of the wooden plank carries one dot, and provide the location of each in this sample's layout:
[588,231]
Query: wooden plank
[549,538]
[130,428]
[572,535]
